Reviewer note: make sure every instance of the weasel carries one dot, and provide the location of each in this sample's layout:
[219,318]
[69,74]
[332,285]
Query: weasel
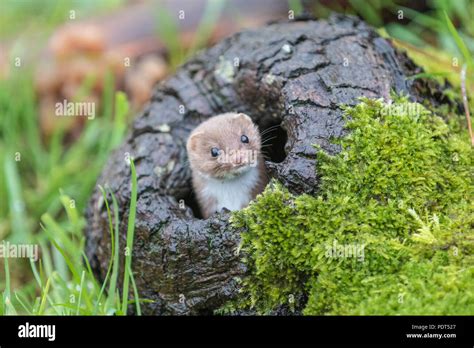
[228,169]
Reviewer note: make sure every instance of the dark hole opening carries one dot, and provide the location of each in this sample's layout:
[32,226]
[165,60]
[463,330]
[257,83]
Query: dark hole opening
[191,201]
[274,139]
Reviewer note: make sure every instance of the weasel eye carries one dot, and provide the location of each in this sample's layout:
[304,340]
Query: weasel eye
[215,152]
[244,139]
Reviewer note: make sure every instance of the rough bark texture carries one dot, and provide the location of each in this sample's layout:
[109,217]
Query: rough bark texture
[294,74]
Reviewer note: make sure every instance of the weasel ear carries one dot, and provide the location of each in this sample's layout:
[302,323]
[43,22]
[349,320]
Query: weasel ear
[243,116]
[193,141]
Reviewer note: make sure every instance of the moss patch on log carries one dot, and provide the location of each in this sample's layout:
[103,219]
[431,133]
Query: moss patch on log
[389,232]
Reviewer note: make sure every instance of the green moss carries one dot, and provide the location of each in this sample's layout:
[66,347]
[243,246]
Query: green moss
[391,231]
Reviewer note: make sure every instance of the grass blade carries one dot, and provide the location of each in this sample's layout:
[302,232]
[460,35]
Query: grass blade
[16,204]
[459,41]
[130,235]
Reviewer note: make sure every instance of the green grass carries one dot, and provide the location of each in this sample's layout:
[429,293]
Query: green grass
[128,253]
[418,28]
[50,183]
[66,283]
[296,7]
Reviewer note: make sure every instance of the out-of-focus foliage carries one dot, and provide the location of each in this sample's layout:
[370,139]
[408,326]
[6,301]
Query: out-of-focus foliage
[42,16]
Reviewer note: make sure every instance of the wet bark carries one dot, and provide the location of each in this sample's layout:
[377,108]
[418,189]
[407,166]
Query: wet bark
[294,74]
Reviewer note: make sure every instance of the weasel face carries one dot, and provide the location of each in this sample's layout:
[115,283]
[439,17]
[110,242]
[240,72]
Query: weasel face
[224,146]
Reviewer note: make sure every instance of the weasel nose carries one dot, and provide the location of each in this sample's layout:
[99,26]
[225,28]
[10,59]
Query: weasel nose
[239,158]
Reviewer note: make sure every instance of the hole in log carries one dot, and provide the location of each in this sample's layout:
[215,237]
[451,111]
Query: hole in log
[274,139]
[191,201]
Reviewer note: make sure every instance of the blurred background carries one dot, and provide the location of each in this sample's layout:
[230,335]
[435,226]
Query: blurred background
[111,53]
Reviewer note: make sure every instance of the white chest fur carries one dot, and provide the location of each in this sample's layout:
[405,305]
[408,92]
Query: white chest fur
[232,194]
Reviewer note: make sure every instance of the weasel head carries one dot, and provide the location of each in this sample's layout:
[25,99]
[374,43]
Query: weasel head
[224,146]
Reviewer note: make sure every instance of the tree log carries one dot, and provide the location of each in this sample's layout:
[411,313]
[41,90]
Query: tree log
[295,74]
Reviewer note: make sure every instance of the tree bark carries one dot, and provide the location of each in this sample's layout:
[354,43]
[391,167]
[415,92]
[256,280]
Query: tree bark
[295,74]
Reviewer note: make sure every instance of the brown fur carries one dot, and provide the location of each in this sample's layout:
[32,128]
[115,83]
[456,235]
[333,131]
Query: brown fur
[224,132]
